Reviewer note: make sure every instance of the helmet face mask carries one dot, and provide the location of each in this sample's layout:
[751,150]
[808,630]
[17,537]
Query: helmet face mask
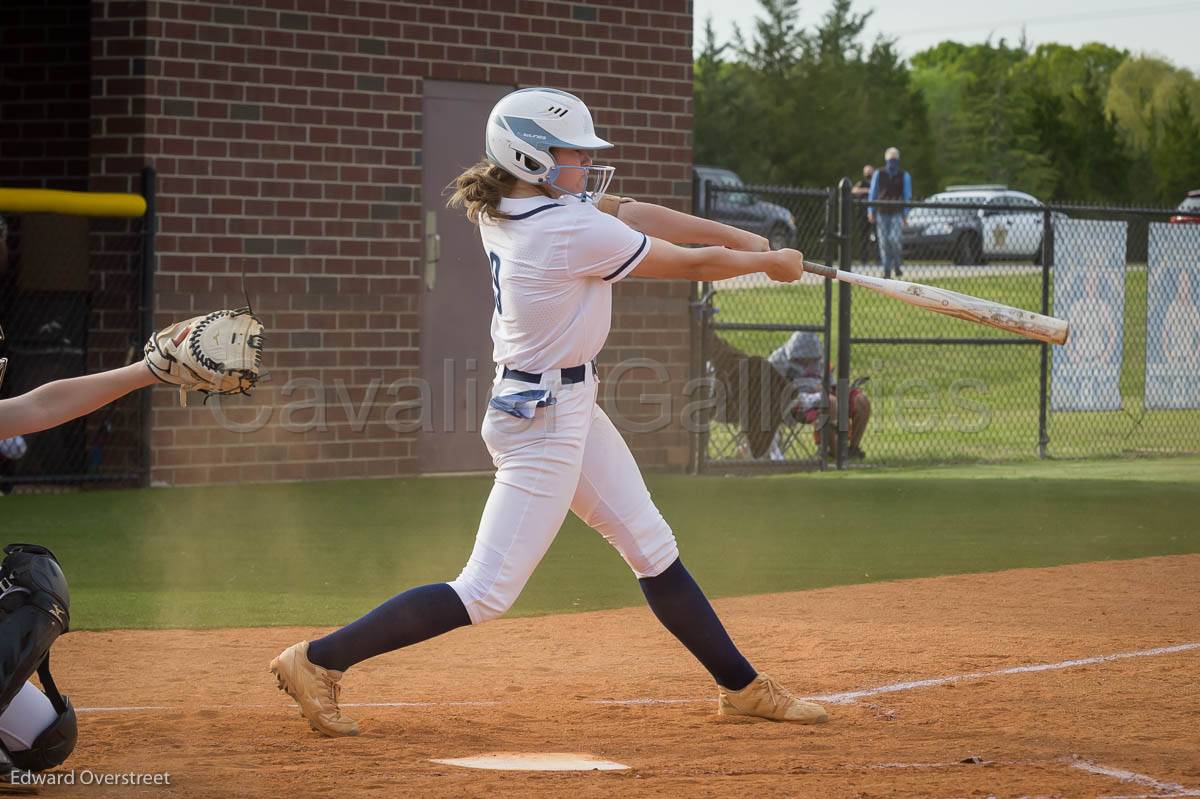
[602,175]
[3,361]
[526,124]
[595,184]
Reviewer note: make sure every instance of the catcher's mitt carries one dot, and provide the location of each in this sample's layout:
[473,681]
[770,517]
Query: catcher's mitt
[220,353]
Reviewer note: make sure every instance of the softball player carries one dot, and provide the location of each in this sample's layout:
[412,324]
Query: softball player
[555,244]
[38,730]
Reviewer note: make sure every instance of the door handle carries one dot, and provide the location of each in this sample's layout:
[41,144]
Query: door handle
[433,249]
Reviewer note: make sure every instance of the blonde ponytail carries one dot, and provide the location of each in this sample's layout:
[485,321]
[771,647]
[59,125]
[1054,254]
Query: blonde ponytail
[479,190]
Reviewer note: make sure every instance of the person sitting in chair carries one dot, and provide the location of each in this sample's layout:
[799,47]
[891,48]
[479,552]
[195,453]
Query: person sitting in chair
[752,396]
[800,361]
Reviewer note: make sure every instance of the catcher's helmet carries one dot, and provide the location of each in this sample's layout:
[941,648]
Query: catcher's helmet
[35,609]
[525,124]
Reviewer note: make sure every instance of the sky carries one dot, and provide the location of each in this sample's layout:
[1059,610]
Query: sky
[1160,27]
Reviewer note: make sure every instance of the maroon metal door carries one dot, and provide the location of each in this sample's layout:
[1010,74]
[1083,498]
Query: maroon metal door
[456,313]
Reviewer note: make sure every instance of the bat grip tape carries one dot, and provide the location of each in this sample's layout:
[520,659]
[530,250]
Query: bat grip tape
[821,269]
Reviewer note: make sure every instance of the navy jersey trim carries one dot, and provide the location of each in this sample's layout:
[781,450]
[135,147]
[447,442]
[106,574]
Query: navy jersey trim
[537,210]
[632,258]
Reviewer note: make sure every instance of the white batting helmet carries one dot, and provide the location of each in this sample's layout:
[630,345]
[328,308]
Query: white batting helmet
[523,127]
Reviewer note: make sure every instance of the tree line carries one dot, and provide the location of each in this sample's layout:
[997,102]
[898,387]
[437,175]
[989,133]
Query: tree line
[781,104]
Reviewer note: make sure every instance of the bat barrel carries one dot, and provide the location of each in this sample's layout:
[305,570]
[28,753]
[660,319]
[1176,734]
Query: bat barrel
[952,303]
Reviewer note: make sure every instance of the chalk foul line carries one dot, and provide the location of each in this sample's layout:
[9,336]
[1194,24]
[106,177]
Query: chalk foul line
[843,697]
[846,697]
[1161,788]
[1166,788]
[850,696]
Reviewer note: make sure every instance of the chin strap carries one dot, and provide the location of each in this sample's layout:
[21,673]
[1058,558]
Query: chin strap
[49,688]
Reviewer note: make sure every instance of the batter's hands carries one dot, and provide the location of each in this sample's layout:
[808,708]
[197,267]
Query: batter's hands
[786,266]
[746,241]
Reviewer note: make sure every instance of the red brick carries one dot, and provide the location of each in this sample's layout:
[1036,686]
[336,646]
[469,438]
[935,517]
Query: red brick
[321,156]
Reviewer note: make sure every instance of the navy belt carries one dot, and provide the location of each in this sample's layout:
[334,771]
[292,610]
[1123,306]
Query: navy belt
[572,374]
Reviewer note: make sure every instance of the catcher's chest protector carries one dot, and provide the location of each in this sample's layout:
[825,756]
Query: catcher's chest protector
[34,610]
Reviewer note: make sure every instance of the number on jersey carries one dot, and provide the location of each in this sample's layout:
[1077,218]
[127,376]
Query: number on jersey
[496,280]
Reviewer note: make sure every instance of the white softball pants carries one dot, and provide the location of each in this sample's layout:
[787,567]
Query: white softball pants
[568,457]
[25,718]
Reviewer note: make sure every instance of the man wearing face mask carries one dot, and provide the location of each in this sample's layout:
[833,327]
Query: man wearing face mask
[890,183]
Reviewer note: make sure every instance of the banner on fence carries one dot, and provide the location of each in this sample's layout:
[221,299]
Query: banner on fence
[1173,317]
[1089,292]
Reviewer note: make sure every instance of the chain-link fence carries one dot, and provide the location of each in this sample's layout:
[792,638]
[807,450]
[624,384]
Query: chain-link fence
[746,320]
[944,390]
[1128,380]
[934,389]
[71,303]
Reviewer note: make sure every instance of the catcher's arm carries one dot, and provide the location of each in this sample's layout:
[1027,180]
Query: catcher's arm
[680,228]
[63,400]
[216,354]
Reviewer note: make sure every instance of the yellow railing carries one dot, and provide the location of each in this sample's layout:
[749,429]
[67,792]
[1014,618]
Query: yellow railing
[71,203]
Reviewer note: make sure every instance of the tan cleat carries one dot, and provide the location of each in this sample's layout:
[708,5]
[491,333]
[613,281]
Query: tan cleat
[767,699]
[315,689]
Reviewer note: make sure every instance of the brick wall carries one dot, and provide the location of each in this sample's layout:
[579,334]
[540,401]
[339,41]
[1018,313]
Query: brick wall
[44,94]
[287,137]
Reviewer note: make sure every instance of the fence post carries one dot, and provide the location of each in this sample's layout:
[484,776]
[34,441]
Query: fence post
[831,251]
[845,261]
[697,369]
[1044,382]
[146,309]
[701,306]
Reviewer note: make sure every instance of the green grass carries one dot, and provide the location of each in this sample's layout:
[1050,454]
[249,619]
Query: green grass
[967,403]
[322,553]
[1184,469]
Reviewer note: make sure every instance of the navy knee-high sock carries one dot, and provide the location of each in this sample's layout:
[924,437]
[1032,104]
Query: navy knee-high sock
[406,619]
[684,610]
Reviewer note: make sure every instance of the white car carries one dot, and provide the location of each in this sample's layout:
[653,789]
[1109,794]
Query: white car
[1012,231]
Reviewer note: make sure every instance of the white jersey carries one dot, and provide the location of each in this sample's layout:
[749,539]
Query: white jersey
[552,269]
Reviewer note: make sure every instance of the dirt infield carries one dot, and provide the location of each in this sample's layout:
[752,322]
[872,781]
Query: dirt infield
[202,706]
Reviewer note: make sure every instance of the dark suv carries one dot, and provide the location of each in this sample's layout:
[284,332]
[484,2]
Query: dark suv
[741,209]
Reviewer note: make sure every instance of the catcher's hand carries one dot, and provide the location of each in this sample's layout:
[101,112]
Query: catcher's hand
[220,353]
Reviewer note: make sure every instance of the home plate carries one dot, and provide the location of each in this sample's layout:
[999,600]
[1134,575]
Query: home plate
[534,761]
